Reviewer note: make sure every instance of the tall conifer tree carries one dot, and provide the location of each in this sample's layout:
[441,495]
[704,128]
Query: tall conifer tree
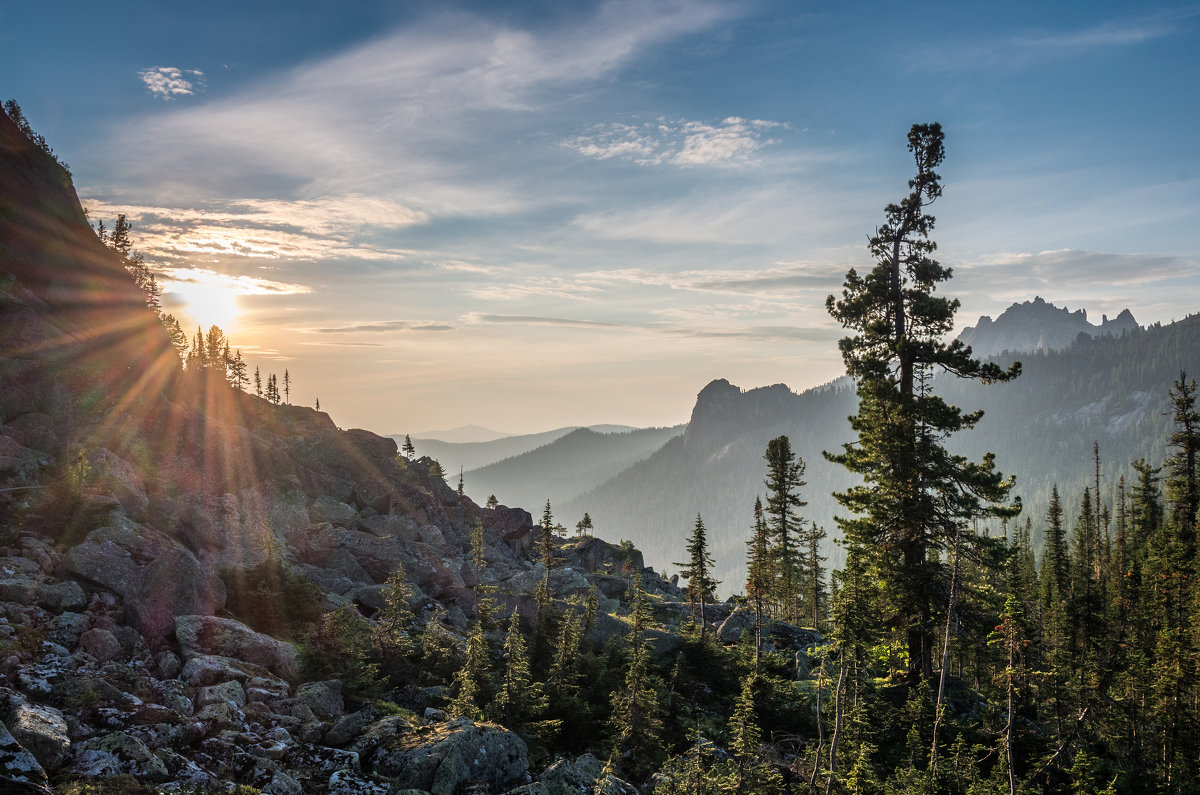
[916,493]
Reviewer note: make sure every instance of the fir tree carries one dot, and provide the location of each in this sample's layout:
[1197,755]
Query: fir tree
[287,388]
[258,384]
[408,449]
[584,526]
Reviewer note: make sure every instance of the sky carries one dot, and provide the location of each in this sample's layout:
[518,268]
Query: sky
[532,214]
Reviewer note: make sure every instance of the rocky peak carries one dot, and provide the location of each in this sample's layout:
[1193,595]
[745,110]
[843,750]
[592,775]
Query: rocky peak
[1038,325]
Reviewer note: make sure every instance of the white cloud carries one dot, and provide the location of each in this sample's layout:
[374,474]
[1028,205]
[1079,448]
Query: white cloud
[731,142]
[168,82]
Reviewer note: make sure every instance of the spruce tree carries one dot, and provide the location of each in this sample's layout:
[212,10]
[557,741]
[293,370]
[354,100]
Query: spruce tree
[916,494]
[471,681]
[701,587]
[785,473]
[758,574]
[636,720]
[408,449]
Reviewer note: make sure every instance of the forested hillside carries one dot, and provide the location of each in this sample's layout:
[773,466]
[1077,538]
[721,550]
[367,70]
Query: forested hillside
[1042,427]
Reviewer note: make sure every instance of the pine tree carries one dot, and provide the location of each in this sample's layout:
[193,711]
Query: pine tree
[408,449]
[287,388]
[701,587]
[584,526]
[258,384]
[916,494]
[237,372]
[492,502]
[812,575]
[1183,480]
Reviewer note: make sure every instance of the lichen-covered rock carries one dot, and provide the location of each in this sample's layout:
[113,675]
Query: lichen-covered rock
[101,644]
[225,693]
[444,757]
[19,769]
[59,597]
[347,782]
[173,584]
[323,698]
[117,753]
[210,635]
[573,775]
[43,732]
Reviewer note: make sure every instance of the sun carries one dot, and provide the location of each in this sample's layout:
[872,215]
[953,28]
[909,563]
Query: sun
[208,304]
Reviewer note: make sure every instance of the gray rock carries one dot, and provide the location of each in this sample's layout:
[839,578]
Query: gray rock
[19,768]
[731,629]
[58,597]
[65,629]
[225,693]
[348,727]
[386,526]
[282,784]
[323,698]
[573,775]
[43,732]
[209,635]
[101,644]
[222,716]
[168,664]
[212,669]
[21,590]
[444,757]
[117,753]
[347,782]
[327,509]
[174,584]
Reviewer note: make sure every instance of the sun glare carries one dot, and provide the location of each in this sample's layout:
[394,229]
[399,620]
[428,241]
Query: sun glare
[208,304]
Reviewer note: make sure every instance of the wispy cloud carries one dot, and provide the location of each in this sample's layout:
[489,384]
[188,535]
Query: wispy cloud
[732,142]
[1080,268]
[234,285]
[311,229]
[396,115]
[168,82]
[1035,47]
[382,326]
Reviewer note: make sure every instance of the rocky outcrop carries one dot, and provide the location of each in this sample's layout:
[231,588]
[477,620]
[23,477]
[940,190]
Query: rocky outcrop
[208,635]
[444,758]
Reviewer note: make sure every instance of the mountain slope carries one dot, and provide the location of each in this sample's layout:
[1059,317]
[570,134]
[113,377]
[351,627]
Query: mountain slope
[566,467]
[473,455]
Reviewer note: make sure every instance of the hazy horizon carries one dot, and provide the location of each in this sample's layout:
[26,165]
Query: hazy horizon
[530,215]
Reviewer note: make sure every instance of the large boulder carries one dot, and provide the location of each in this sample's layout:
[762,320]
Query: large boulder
[210,635]
[444,758]
[156,576]
[43,732]
[173,584]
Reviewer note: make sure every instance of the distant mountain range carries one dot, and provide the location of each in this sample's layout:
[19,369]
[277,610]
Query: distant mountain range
[1038,326]
[453,454]
[1108,386]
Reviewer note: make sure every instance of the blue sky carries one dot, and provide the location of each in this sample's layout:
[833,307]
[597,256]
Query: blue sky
[533,214]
